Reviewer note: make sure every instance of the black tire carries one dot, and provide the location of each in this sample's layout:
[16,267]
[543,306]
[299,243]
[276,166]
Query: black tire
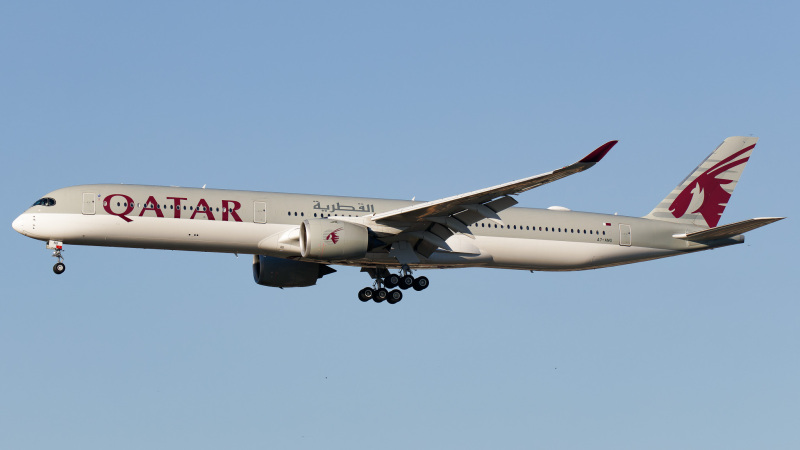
[421,283]
[59,268]
[366,294]
[381,295]
[391,281]
[406,282]
[395,296]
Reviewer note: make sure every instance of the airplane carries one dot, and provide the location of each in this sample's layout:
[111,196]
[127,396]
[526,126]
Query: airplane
[296,238]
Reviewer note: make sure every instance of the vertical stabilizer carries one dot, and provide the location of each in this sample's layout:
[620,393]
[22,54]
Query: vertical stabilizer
[701,197]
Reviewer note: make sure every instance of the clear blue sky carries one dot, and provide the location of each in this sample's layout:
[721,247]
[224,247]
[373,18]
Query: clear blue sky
[134,349]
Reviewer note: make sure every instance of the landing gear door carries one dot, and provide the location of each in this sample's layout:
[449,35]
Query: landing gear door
[260,212]
[88,203]
[625,235]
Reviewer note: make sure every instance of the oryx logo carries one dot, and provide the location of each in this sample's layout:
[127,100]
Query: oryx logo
[332,236]
[705,194]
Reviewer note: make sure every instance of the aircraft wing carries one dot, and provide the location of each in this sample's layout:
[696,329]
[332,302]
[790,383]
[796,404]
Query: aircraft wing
[487,202]
[427,226]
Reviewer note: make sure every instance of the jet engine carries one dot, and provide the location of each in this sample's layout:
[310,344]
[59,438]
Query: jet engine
[330,239]
[279,272]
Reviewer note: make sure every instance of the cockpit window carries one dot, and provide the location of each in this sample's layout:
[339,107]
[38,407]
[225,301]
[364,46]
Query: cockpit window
[47,201]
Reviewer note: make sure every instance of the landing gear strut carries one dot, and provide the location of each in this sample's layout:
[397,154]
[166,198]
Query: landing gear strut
[57,248]
[385,281]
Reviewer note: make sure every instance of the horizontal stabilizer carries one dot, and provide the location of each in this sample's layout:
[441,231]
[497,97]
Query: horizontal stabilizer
[727,231]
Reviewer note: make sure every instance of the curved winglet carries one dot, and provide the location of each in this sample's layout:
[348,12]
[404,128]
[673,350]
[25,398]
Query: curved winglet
[599,153]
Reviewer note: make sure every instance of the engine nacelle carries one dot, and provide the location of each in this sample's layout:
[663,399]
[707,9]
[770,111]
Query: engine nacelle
[331,239]
[279,272]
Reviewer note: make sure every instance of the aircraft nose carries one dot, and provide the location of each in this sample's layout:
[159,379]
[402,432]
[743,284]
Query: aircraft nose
[19,224]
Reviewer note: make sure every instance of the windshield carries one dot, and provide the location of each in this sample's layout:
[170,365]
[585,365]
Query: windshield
[47,201]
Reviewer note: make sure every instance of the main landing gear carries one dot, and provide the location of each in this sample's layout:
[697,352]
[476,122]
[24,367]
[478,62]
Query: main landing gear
[57,248]
[380,289]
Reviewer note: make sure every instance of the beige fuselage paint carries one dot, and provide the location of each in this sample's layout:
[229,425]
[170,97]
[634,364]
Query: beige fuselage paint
[265,223]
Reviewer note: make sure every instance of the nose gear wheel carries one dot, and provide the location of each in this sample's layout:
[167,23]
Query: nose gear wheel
[57,248]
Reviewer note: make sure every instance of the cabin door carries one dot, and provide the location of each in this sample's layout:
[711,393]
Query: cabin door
[260,212]
[88,203]
[625,235]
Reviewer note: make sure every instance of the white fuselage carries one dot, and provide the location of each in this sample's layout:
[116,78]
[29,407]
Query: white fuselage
[262,223]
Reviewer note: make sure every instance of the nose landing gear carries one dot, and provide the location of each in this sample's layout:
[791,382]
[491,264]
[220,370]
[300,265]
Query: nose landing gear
[57,248]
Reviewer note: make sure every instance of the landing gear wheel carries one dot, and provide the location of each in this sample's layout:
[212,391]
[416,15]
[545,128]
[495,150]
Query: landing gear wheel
[406,282]
[366,294]
[421,283]
[391,281]
[394,297]
[59,268]
[381,295]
